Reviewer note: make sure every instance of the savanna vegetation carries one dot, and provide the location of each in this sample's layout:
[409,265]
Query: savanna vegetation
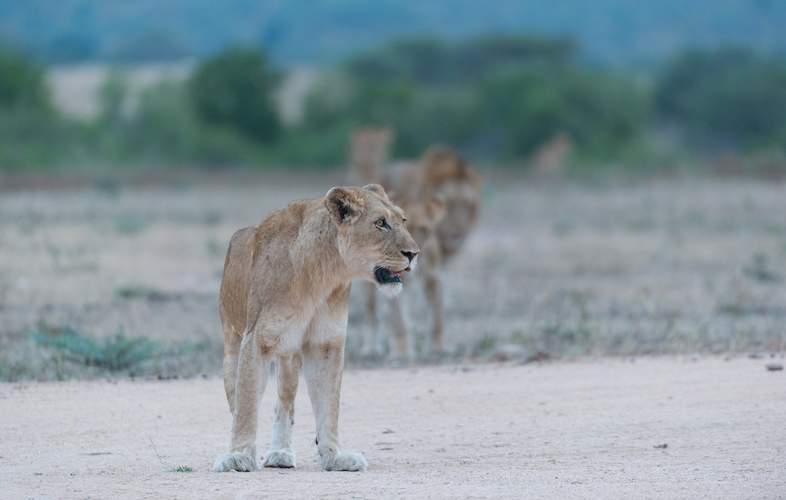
[496,98]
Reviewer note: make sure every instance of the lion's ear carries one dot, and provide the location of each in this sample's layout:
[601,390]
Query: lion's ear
[343,205]
[378,189]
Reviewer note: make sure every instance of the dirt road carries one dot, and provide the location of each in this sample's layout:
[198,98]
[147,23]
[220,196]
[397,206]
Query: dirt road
[588,429]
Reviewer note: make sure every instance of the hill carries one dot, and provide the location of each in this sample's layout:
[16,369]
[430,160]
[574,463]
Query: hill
[321,31]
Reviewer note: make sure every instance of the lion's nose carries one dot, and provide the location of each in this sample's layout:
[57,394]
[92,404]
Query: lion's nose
[409,255]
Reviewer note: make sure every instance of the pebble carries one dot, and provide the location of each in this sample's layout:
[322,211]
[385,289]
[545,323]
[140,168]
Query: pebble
[774,367]
[509,352]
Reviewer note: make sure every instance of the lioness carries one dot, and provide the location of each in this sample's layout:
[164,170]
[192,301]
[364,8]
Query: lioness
[284,298]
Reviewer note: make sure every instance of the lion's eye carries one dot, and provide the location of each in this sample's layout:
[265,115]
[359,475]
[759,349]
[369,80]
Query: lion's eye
[381,223]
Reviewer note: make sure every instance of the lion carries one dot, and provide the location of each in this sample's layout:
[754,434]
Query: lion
[284,299]
[441,176]
[549,159]
[422,219]
[368,153]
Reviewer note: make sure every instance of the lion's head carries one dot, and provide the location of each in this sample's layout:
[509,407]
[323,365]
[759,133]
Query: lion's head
[445,175]
[373,238]
[423,217]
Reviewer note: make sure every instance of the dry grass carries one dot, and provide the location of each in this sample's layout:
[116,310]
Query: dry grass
[659,267]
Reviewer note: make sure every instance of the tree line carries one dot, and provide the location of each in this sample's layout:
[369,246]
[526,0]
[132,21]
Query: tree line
[496,98]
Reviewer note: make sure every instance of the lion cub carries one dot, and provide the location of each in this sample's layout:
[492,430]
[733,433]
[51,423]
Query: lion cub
[284,298]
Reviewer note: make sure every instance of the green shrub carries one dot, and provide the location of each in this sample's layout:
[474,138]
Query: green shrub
[36,139]
[524,92]
[113,353]
[726,98]
[164,128]
[22,83]
[31,133]
[528,106]
[235,89]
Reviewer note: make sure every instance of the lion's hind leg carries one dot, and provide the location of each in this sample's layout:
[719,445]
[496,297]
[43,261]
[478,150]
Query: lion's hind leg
[252,371]
[231,353]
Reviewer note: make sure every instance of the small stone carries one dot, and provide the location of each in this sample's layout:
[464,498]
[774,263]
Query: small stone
[510,352]
[774,367]
[661,446]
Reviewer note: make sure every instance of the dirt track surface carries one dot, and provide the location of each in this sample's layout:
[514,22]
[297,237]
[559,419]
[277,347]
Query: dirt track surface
[584,429]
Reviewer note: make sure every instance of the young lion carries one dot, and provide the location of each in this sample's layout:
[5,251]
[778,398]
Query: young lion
[284,299]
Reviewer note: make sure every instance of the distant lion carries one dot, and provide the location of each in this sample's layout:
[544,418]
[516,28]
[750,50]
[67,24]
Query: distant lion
[368,153]
[284,298]
[549,159]
[422,219]
[441,176]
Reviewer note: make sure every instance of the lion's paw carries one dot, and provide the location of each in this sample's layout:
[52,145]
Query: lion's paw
[235,461]
[284,458]
[351,461]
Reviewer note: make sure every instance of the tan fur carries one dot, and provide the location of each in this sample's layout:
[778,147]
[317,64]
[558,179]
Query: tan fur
[284,299]
[443,177]
[549,159]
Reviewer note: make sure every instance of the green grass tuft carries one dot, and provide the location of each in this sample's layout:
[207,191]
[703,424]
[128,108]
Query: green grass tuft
[130,224]
[114,353]
[130,292]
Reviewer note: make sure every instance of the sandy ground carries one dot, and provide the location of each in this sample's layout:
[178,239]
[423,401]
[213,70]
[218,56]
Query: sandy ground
[564,430]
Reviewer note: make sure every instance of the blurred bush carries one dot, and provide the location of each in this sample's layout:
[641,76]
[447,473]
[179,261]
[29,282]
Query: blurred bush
[223,114]
[235,89]
[22,83]
[726,99]
[31,132]
[494,97]
[600,112]
[163,127]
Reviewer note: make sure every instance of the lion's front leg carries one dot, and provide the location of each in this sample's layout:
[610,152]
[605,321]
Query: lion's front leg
[323,364]
[251,379]
[287,374]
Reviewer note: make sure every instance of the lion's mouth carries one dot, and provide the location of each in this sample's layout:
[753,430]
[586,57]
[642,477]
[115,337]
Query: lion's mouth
[385,276]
